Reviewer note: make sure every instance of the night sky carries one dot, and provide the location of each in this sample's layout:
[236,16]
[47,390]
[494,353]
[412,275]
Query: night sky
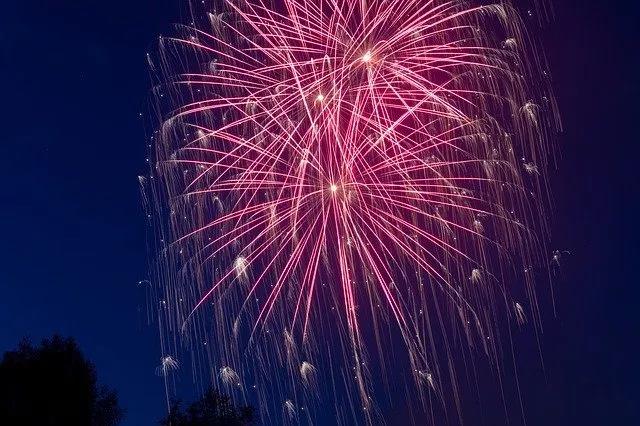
[73,80]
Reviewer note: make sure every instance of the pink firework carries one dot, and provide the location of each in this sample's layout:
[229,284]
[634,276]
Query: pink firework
[338,176]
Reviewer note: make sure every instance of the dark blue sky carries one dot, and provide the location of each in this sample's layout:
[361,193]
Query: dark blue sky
[73,80]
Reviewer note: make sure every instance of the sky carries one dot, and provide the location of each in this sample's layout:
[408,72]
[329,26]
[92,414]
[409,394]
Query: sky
[73,81]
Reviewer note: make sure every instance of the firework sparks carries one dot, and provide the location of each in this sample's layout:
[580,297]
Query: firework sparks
[521,317]
[326,165]
[307,371]
[290,409]
[168,364]
[229,376]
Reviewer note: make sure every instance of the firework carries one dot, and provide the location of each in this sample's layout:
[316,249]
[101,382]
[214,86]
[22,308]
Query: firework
[332,178]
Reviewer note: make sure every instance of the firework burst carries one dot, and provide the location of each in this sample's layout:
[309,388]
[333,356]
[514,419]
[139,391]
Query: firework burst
[334,176]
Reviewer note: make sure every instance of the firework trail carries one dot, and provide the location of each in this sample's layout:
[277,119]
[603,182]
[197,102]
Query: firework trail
[334,177]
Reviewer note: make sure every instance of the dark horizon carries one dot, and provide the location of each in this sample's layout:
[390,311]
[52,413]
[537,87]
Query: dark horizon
[75,82]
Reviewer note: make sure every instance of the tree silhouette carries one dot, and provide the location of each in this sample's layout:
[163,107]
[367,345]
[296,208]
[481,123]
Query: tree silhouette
[54,385]
[213,409]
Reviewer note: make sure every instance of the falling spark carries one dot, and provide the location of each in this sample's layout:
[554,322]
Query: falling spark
[531,168]
[229,377]
[167,364]
[290,409]
[427,377]
[476,276]
[306,371]
[521,318]
[240,266]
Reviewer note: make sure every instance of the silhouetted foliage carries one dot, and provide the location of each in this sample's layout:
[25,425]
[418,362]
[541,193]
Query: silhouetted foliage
[213,409]
[54,385]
